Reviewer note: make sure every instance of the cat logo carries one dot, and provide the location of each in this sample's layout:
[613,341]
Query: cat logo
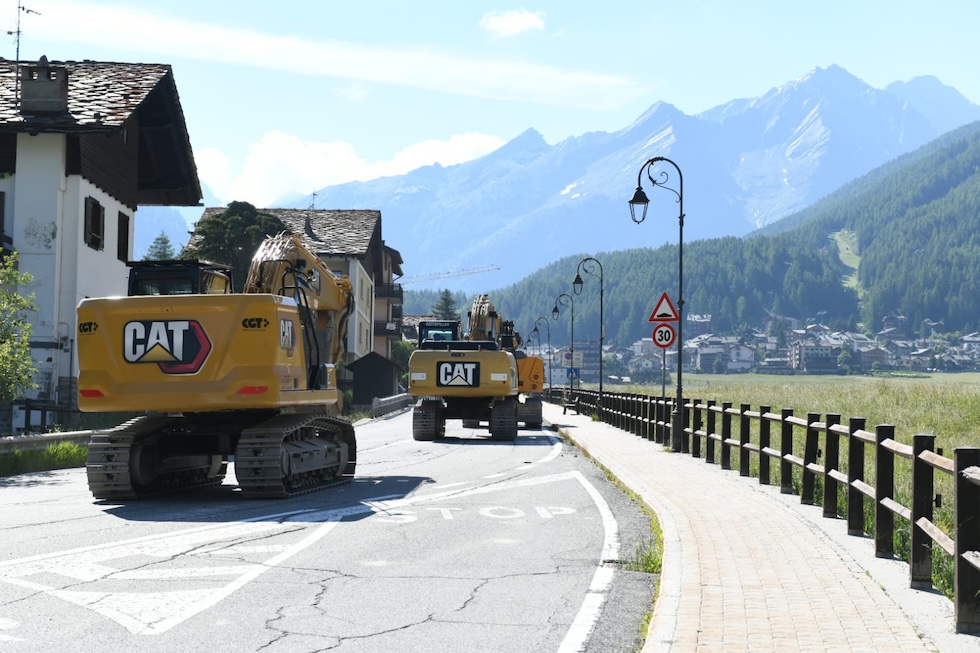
[458,374]
[176,346]
[287,336]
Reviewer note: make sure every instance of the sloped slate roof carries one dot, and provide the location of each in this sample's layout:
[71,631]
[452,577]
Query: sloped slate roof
[332,232]
[102,96]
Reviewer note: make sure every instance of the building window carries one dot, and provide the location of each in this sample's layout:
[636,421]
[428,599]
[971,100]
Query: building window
[94,233]
[122,244]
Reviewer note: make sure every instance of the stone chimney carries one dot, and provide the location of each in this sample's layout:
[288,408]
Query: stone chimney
[43,89]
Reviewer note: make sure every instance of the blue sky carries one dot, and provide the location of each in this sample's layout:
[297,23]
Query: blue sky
[282,97]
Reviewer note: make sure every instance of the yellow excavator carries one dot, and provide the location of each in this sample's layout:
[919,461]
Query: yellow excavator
[469,378]
[530,376]
[216,374]
[474,402]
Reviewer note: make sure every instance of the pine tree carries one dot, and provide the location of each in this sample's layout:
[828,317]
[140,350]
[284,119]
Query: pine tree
[446,308]
[161,249]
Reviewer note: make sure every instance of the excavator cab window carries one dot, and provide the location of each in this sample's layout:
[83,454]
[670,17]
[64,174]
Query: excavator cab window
[172,286]
[178,278]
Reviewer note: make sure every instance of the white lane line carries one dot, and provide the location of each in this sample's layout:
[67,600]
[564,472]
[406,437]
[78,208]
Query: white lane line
[588,614]
[551,455]
[197,572]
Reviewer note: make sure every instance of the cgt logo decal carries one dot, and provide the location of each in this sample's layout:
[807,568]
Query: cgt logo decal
[177,346]
[458,374]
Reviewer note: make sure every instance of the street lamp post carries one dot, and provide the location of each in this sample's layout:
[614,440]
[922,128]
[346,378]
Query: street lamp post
[551,357]
[588,265]
[571,346]
[641,201]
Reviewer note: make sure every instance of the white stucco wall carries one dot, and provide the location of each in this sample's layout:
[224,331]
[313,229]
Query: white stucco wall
[360,326]
[46,212]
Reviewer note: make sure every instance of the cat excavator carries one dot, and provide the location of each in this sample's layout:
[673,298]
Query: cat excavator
[463,377]
[530,376]
[439,374]
[216,375]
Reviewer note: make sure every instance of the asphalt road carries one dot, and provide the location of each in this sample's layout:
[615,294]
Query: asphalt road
[463,544]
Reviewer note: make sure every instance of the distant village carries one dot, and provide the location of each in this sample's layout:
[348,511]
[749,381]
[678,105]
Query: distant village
[798,348]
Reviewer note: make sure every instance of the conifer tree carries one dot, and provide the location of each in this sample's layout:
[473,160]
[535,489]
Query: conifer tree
[446,308]
[161,249]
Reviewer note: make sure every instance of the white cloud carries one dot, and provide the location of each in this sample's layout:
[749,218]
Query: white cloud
[511,23]
[422,67]
[282,165]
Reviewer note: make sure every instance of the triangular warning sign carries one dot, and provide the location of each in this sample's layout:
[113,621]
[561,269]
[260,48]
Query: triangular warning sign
[665,311]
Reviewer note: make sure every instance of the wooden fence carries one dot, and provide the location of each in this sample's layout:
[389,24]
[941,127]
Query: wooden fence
[723,432]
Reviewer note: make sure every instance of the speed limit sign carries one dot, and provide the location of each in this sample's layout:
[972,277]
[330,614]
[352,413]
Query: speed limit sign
[664,335]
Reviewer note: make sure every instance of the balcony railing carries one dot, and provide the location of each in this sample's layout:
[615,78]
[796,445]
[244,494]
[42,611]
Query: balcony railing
[391,291]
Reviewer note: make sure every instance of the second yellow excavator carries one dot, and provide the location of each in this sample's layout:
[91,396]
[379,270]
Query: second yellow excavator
[481,376]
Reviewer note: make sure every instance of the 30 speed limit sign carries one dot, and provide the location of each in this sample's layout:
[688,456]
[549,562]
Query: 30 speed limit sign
[664,335]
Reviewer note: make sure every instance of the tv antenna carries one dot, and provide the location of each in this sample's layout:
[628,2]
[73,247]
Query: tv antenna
[21,9]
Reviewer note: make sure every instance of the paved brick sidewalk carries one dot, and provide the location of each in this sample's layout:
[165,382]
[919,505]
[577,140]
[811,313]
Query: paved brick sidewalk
[747,569]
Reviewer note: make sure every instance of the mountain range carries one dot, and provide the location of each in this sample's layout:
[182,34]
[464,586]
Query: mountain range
[746,164]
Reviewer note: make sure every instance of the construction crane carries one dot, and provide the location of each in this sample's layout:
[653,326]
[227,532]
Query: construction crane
[444,275]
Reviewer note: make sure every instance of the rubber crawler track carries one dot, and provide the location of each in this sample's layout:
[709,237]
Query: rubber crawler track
[258,458]
[108,464]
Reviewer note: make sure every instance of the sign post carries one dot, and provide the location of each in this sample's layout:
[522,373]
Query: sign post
[664,336]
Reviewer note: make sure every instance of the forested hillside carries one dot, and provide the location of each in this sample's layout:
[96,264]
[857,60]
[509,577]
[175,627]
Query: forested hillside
[917,227]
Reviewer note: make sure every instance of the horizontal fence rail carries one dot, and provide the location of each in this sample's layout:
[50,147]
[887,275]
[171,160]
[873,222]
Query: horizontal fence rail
[42,442]
[379,407]
[723,434]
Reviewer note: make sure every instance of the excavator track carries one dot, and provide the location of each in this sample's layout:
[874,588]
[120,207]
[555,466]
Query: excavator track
[503,420]
[116,459]
[290,455]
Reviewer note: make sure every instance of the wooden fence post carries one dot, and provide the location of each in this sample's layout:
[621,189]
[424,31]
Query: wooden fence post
[638,415]
[697,421]
[831,462]
[726,432]
[765,440]
[811,450]
[855,472]
[709,429]
[685,436]
[744,426]
[659,431]
[785,449]
[966,578]
[645,417]
[884,489]
[923,488]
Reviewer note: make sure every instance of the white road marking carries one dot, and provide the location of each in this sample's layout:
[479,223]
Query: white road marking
[7,624]
[153,613]
[588,614]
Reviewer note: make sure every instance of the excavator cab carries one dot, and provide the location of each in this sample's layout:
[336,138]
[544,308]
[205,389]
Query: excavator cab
[178,277]
[437,334]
